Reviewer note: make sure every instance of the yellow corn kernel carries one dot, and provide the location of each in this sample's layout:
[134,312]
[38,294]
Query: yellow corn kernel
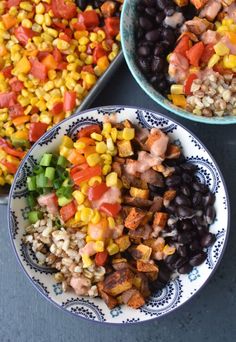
[227,22]
[101,35]
[232,28]
[39,19]
[26,6]
[93,36]
[9,131]
[48,86]
[89,60]
[106,158]
[52,74]
[101,147]
[93,159]
[221,49]
[52,32]
[2,181]
[111,222]
[9,179]
[110,144]
[119,184]
[86,215]
[79,145]
[113,249]
[107,127]
[64,151]
[106,169]
[112,55]
[222,29]
[3,117]
[84,188]
[95,179]
[79,196]
[83,40]
[40,9]
[96,217]
[45,118]
[27,23]
[47,19]
[96,136]
[79,34]
[111,179]
[70,83]
[128,133]
[168,250]
[229,61]
[213,60]
[177,89]
[88,238]
[90,79]
[87,261]
[62,44]
[67,142]
[99,246]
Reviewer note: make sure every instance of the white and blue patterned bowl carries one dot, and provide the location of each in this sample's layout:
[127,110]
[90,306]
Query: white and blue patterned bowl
[176,292]
[128,25]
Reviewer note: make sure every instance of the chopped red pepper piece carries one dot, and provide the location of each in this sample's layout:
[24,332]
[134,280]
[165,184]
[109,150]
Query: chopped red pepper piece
[95,192]
[207,53]
[38,69]
[188,84]
[36,130]
[15,84]
[112,26]
[16,110]
[57,108]
[68,211]
[85,175]
[7,99]
[12,168]
[23,34]
[69,100]
[101,258]
[88,130]
[7,71]
[183,45]
[111,209]
[63,9]
[194,54]
[57,55]
[77,168]
[88,18]
[98,52]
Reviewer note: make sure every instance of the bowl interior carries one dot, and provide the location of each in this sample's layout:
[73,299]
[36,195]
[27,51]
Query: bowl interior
[177,291]
[128,25]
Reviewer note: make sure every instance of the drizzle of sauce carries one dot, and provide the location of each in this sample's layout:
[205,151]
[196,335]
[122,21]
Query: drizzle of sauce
[174,20]
[112,195]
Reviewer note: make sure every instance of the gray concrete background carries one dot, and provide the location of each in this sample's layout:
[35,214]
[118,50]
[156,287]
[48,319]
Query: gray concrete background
[25,316]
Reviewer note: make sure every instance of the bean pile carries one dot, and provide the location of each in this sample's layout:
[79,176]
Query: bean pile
[191,212]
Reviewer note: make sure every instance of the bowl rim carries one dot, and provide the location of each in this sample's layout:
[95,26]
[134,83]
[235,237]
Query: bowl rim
[115,107]
[226,120]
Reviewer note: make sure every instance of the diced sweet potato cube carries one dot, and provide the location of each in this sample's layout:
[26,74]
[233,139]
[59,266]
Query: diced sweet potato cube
[146,266]
[136,300]
[134,218]
[140,281]
[160,219]
[110,301]
[117,167]
[165,170]
[118,282]
[108,8]
[152,275]
[119,263]
[145,252]
[153,138]
[168,196]
[140,193]
[199,3]
[173,151]
[127,124]
[123,242]
[181,3]
[142,232]
[124,148]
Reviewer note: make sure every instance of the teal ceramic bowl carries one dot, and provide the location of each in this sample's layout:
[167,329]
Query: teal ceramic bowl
[128,24]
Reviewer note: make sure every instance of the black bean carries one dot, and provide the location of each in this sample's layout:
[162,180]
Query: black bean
[156,285]
[208,240]
[157,64]
[210,215]
[186,268]
[144,51]
[184,237]
[185,211]
[209,199]
[160,16]
[145,64]
[198,259]
[164,274]
[197,199]
[169,36]
[197,221]
[140,33]
[195,245]
[163,86]
[150,3]
[146,24]
[161,4]
[180,262]
[202,231]
[187,178]
[140,8]
[200,187]
[82,4]
[158,50]
[185,190]
[169,10]
[171,259]
[186,225]
[189,167]
[171,208]
[182,200]
[173,180]
[151,11]
[153,35]
[182,251]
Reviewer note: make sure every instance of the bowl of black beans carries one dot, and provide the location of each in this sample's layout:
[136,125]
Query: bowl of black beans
[150,32]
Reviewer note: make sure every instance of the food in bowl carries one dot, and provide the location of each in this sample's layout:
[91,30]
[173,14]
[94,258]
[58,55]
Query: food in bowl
[118,212]
[198,74]
[51,54]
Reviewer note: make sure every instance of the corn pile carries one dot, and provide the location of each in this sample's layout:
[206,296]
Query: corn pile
[48,64]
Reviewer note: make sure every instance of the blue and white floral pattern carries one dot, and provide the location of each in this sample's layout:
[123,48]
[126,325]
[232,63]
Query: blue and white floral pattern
[177,291]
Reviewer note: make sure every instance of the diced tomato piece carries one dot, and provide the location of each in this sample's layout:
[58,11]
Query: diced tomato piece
[183,45]
[38,69]
[7,99]
[11,3]
[79,26]
[11,168]
[63,9]
[49,62]
[42,54]
[68,211]
[111,209]
[77,168]
[50,201]
[88,18]
[194,54]
[23,34]
[85,175]
[88,130]
[101,258]
[207,53]
[65,37]
[36,130]
[16,110]
[14,152]
[58,24]
[98,52]
[57,55]
[15,84]
[4,143]
[57,108]
[188,84]
[69,100]
[7,71]
[95,192]
[75,157]
[112,26]
[88,68]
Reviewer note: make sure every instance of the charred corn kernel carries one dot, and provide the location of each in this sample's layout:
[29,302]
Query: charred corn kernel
[40,9]
[39,19]
[79,196]
[101,147]
[93,159]
[79,145]
[177,89]
[111,222]
[221,49]
[96,136]
[62,44]
[111,179]
[99,246]
[87,261]
[227,22]
[168,250]
[229,61]
[27,23]
[83,40]
[110,144]
[27,6]
[213,60]
[86,215]
[84,188]
[96,217]
[95,179]
[106,169]
[128,133]
[113,249]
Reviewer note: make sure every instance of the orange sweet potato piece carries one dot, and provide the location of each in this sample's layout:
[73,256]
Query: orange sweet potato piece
[136,300]
[168,196]
[173,151]
[160,219]
[146,266]
[110,301]
[134,218]
[199,3]
[118,282]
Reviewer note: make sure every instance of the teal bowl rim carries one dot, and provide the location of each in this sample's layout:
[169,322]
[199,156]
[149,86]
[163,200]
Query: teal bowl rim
[226,120]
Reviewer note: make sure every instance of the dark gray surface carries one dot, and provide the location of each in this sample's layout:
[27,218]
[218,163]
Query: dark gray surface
[26,316]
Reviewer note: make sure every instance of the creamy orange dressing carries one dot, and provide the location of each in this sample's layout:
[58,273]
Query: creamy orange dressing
[159,147]
[145,162]
[112,195]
